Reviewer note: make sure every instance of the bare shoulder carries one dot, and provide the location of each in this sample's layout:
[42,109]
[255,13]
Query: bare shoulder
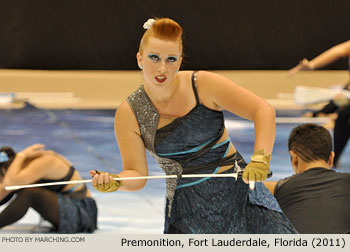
[208,77]
[52,156]
[200,75]
[185,74]
[125,118]
[50,166]
[124,112]
[123,109]
[42,164]
[48,156]
[211,86]
[185,77]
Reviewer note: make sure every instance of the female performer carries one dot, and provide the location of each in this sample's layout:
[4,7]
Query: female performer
[177,116]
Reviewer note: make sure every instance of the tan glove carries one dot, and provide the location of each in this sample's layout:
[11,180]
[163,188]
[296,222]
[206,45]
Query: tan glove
[340,100]
[258,168]
[111,186]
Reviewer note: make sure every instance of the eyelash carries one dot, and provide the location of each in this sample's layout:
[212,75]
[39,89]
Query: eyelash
[170,59]
[154,57]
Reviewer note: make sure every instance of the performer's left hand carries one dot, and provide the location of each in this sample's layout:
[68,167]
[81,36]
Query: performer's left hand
[258,168]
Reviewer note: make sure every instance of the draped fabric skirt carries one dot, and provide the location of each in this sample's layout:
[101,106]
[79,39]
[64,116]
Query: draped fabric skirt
[223,206]
[76,215]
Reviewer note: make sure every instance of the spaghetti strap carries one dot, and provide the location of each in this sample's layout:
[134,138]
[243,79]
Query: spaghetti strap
[194,86]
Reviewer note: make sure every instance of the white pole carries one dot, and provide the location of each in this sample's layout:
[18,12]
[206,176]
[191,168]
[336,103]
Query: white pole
[233,175]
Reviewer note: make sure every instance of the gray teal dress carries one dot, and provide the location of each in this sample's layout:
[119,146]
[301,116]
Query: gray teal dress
[189,145]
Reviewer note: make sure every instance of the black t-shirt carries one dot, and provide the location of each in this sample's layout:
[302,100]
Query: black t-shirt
[316,201]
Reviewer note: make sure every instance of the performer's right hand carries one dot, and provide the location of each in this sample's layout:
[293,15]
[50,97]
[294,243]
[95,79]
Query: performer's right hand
[32,151]
[104,182]
[304,64]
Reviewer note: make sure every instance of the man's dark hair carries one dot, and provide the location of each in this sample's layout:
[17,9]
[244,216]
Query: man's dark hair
[310,142]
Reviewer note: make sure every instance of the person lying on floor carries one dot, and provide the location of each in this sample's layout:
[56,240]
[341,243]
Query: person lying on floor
[69,208]
[316,198]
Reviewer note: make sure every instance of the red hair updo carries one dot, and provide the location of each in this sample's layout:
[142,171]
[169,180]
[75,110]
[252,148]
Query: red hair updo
[161,28]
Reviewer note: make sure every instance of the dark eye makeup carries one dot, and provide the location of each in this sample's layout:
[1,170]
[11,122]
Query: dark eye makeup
[171,59]
[154,57]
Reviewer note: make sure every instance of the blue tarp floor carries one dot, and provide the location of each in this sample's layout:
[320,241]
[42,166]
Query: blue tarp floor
[87,139]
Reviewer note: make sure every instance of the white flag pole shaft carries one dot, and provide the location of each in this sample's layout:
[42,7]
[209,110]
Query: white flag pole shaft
[233,175]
